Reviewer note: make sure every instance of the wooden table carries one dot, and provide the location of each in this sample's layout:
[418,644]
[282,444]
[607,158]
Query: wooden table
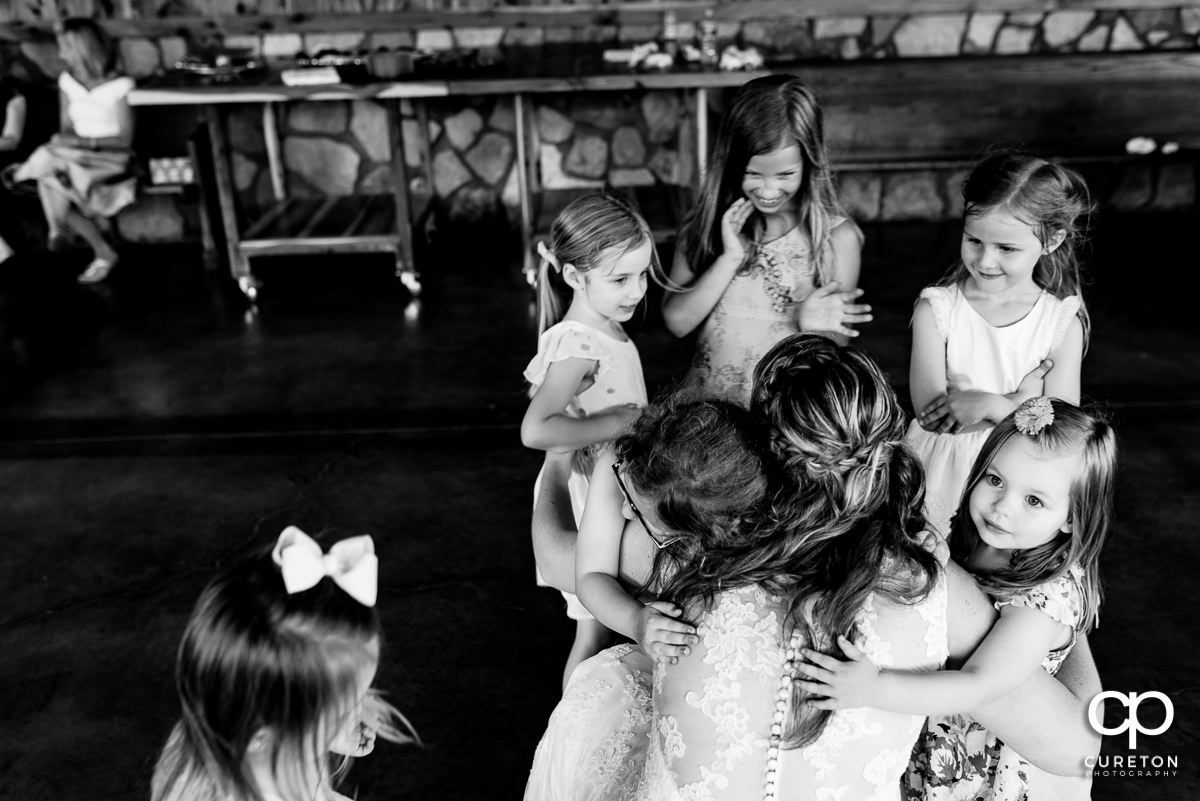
[905,114]
[383,223]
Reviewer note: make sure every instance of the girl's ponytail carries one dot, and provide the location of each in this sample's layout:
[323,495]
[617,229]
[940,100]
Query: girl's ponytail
[549,304]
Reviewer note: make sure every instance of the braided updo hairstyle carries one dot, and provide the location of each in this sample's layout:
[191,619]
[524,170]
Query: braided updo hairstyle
[848,515]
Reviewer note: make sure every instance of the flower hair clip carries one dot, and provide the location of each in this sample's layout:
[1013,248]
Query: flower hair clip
[549,256]
[1033,415]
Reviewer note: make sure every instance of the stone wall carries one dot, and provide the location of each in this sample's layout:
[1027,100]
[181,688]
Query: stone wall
[636,139]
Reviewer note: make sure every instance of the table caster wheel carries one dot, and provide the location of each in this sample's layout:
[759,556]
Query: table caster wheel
[249,288]
[411,281]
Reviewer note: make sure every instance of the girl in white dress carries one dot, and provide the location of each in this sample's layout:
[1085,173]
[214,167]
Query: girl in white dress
[274,678]
[1031,528]
[85,171]
[767,251]
[586,382]
[1005,324]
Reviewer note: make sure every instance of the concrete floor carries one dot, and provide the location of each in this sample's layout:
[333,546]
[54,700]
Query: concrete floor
[152,430]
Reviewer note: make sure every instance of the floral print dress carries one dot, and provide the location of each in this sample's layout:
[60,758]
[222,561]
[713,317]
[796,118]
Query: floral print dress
[957,759]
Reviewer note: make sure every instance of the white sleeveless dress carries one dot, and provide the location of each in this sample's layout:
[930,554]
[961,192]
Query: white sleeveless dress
[985,357]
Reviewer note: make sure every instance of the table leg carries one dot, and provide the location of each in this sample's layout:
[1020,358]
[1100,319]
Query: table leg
[529,264]
[406,269]
[274,158]
[239,265]
[207,237]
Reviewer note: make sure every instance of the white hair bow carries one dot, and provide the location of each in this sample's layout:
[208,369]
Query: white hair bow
[351,564]
[549,256]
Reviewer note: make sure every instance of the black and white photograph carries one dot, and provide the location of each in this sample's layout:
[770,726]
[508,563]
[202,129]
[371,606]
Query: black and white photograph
[599,400]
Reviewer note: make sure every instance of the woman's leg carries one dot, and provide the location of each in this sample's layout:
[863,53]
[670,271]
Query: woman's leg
[86,227]
[55,205]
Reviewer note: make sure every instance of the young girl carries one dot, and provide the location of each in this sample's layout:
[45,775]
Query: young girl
[1031,527]
[274,673]
[586,379]
[985,335]
[767,251]
[85,170]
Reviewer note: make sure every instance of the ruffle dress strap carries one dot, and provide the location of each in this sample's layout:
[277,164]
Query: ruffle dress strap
[1068,308]
[1059,599]
[567,341]
[941,301]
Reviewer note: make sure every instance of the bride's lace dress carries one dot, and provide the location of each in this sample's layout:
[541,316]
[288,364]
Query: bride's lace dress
[631,728]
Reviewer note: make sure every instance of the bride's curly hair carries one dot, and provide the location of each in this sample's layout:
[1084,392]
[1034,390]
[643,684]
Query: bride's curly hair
[847,518]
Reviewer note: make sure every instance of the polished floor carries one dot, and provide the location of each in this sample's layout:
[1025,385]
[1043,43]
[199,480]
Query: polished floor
[154,428]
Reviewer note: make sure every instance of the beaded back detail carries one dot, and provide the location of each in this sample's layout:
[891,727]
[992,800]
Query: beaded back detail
[792,656]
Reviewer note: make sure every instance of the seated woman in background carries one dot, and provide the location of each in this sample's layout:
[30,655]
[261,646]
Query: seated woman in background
[84,172]
[12,134]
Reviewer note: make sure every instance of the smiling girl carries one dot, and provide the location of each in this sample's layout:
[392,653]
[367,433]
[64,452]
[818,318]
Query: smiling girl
[768,251]
[1005,324]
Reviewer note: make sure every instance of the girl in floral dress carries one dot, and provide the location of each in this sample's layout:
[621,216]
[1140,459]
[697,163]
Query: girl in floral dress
[1031,528]
[767,251]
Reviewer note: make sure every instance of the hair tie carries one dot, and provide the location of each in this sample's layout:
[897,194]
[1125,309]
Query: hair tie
[351,564]
[1033,415]
[548,255]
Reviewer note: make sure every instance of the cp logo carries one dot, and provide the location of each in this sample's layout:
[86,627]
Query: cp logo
[1131,701]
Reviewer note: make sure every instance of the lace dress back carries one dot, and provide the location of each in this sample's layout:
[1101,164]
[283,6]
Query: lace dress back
[700,729]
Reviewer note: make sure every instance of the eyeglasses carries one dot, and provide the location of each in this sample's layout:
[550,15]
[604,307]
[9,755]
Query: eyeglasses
[658,543]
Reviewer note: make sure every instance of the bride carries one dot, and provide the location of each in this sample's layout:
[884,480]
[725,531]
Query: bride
[784,539]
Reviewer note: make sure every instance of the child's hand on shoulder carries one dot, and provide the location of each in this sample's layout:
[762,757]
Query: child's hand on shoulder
[839,684]
[660,634]
[733,241]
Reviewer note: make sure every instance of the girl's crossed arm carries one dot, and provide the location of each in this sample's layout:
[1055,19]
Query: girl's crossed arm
[941,409]
[548,427]
[1012,652]
[597,562]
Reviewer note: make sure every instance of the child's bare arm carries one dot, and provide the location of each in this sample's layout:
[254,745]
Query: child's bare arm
[927,367]
[1043,720]
[684,311]
[548,427]
[597,562]
[1063,381]
[1011,653]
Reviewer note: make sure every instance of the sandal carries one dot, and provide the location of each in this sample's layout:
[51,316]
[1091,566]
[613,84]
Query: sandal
[98,270]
